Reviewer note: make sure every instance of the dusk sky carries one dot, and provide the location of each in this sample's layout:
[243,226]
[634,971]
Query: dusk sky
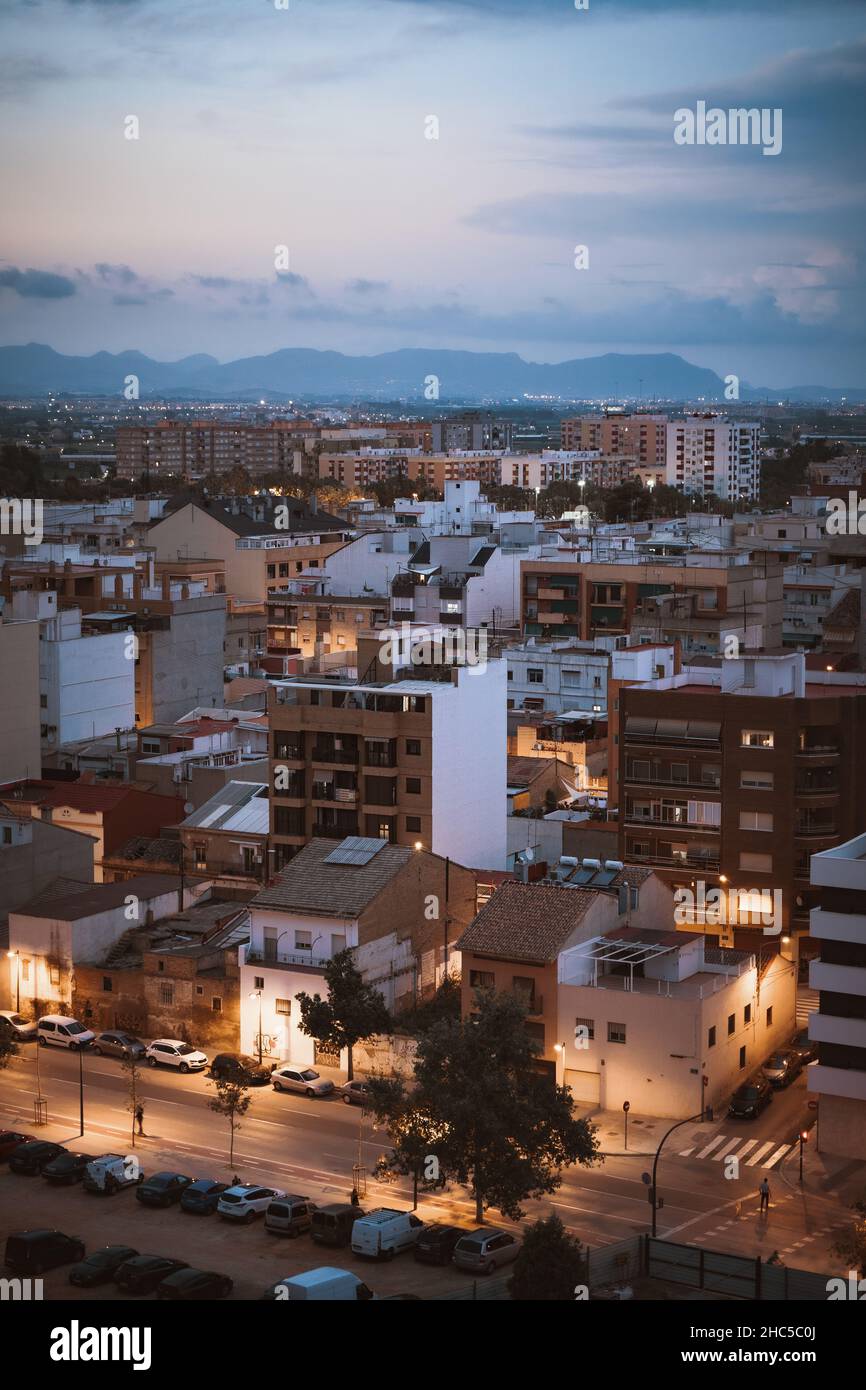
[306,127]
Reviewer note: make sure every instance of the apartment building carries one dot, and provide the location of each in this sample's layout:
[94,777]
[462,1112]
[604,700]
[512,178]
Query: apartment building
[558,677]
[33,852]
[412,755]
[735,776]
[194,448]
[711,453]
[838,927]
[20,744]
[642,437]
[313,624]
[360,469]
[459,581]
[226,839]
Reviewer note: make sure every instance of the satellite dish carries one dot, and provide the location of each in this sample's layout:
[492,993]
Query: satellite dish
[529,854]
[188,808]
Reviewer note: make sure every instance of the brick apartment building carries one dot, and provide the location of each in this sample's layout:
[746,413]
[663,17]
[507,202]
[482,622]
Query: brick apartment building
[642,436]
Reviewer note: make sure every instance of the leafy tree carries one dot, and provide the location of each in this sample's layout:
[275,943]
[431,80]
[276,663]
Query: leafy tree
[133,1073]
[238,482]
[8,1050]
[232,1101]
[550,1264]
[352,1012]
[445,1003]
[499,1125]
[852,1245]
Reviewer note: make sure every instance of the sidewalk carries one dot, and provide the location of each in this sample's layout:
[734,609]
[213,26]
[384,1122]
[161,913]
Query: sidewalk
[825,1175]
[645,1132]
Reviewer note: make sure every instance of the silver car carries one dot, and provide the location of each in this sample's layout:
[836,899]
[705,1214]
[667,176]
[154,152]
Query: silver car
[116,1044]
[303,1080]
[484,1251]
[16,1026]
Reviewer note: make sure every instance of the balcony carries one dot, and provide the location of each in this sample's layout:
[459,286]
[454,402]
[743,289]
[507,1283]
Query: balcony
[337,756]
[285,959]
[333,832]
[679,861]
[634,779]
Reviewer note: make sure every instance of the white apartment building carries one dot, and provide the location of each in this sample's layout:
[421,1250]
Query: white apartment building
[86,682]
[711,453]
[558,677]
[838,1077]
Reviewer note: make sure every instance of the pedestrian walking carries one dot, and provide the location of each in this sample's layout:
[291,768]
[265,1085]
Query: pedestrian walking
[765,1195]
[139,1117]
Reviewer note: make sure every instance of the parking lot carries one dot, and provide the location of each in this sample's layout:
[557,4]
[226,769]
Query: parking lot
[250,1255]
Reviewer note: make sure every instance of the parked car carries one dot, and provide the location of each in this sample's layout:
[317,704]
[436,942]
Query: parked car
[100,1267]
[188,1285]
[120,1045]
[142,1273]
[290,1216]
[485,1250]
[15,1026]
[10,1140]
[355,1092]
[748,1102]
[320,1285]
[245,1201]
[382,1234]
[332,1225]
[802,1044]
[305,1081]
[30,1159]
[435,1244]
[782,1068]
[32,1252]
[55,1030]
[66,1167]
[202,1196]
[237,1066]
[110,1173]
[163,1189]
[171,1052]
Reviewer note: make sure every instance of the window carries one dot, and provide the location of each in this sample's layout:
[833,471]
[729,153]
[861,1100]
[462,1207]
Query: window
[199,989]
[732,1023]
[258,982]
[770,1016]
[166,993]
[756,738]
[160,965]
[711,1037]
[588,1024]
[759,781]
[54,974]
[7,834]
[747,1014]
[283,1006]
[535,675]
[216,1004]
[756,820]
[200,853]
[413,747]
[616,1032]
[303,941]
[413,825]
[413,786]
[481,979]
[757,863]
[106,984]
[742,1059]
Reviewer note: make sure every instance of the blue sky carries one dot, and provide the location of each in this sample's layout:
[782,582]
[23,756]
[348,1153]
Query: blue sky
[305,127]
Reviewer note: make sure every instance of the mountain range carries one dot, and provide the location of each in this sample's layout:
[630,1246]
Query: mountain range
[307,374]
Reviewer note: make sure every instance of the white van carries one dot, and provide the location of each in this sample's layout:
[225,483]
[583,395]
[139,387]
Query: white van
[325,1283]
[63,1032]
[110,1172]
[384,1233]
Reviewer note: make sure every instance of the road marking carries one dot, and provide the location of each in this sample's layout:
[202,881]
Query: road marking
[749,1144]
[684,1153]
[727,1148]
[714,1143]
[780,1153]
[756,1157]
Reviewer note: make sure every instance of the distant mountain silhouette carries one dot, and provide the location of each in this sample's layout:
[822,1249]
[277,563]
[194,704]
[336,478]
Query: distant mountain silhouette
[304,373]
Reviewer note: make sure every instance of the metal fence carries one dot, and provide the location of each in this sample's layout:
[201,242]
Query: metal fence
[737,1276]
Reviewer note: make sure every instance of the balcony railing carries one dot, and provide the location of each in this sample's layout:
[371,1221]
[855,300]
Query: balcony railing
[255,956]
[334,755]
[697,861]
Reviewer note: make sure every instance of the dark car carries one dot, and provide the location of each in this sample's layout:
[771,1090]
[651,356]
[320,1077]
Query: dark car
[32,1252]
[163,1189]
[115,1044]
[435,1245]
[748,1102]
[142,1273]
[188,1285]
[10,1140]
[355,1092]
[237,1066]
[802,1044]
[32,1158]
[202,1196]
[782,1068]
[67,1167]
[332,1225]
[101,1266]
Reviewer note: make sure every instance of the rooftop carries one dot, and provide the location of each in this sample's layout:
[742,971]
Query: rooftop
[328,889]
[527,922]
[74,901]
[240,806]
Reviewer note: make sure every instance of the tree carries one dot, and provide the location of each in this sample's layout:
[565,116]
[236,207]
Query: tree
[352,1012]
[550,1264]
[852,1245]
[131,1066]
[232,1101]
[8,1049]
[498,1125]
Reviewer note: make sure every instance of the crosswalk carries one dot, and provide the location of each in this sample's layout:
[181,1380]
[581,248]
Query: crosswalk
[807,1003]
[749,1152]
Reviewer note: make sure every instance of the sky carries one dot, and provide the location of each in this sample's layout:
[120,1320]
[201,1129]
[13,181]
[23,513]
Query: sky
[306,126]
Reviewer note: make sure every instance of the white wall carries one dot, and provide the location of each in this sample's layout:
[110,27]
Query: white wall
[469,767]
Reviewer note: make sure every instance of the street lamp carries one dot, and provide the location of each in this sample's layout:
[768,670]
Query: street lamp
[653,1196]
[803,1136]
[253,994]
[16,955]
[559,1049]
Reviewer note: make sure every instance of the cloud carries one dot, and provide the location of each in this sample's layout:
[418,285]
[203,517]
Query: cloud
[19,73]
[36,284]
[367,286]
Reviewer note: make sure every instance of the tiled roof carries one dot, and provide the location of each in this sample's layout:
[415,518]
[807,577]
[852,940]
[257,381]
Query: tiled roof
[154,851]
[308,884]
[527,921]
[86,899]
[846,613]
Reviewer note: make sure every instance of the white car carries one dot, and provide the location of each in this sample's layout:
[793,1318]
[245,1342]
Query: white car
[171,1052]
[246,1201]
[16,1026]
[302,1079]
[58,1031]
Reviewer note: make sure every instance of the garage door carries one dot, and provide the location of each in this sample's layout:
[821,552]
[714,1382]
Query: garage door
[585,1086]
